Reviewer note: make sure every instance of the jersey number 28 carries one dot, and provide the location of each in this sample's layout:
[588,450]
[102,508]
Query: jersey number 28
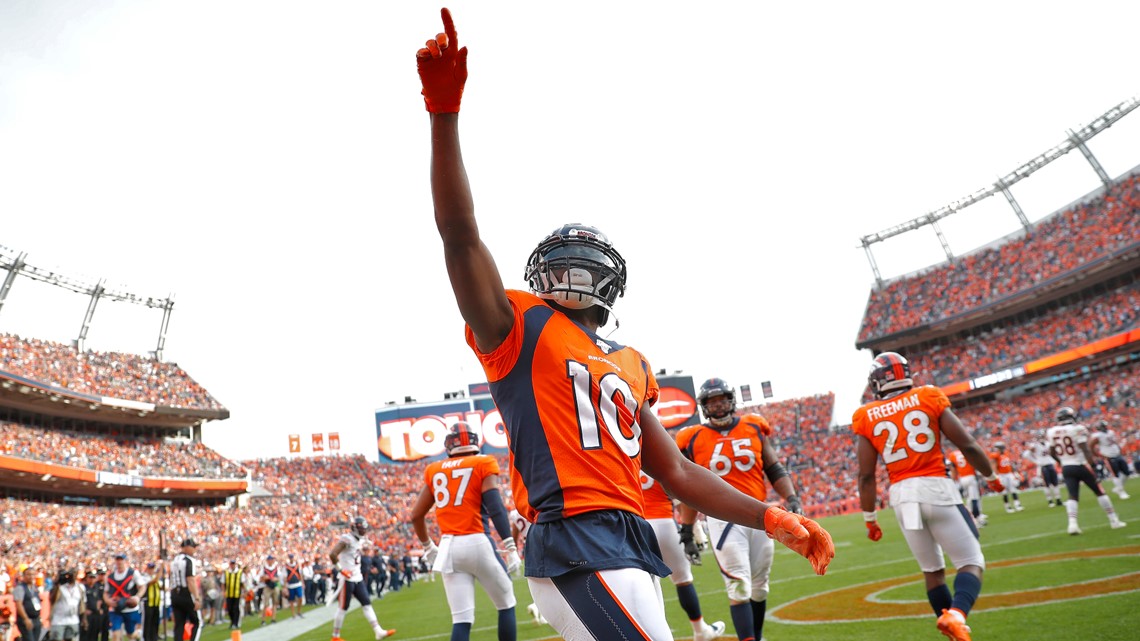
[916,430]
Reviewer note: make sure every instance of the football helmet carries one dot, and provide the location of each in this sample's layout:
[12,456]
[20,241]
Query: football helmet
[889,372]
[577,267]
[461,439]
[1102,426]
[1066,415]
[713,388]
[999,446]
[359,525]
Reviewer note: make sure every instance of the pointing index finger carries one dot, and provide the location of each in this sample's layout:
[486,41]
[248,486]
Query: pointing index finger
[448,26]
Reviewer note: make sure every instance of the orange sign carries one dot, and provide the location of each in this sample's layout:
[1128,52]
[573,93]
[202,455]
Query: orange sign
[294,443]
[318,442]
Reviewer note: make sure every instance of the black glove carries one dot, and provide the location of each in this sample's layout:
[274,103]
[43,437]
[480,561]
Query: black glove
[793,505]
[691,549]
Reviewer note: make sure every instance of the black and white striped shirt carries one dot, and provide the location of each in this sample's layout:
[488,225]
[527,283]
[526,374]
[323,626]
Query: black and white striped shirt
[182,568]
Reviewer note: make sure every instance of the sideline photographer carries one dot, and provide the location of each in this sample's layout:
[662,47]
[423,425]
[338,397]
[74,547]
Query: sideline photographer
[67,598]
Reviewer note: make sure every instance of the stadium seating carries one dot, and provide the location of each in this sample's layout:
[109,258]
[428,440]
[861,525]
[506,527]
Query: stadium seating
[1061,243]
[111,374]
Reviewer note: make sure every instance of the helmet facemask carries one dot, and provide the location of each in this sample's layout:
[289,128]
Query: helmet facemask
[576,267]
[712,389]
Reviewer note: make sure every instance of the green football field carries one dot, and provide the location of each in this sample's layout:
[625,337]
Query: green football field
[1041,583]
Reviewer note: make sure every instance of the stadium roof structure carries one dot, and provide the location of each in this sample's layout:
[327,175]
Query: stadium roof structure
[1075,140]
[28,395]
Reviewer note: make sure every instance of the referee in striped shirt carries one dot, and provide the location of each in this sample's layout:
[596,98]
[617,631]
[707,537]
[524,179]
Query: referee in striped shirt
[186,591]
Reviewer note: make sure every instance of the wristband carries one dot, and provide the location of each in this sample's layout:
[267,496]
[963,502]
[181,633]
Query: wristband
[870,517]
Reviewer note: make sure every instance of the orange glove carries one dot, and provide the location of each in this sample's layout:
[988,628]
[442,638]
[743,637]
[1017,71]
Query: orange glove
[994,483]
[874,532]
[443,69]
[804,536]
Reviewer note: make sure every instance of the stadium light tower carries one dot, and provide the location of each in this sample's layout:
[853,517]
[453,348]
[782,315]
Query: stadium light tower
[1075,140]
[14,262]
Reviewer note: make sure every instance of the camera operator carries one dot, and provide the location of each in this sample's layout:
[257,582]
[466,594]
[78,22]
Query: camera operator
[67,599]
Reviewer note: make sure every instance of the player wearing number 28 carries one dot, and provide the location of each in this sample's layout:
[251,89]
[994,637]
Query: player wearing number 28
[905,426]
[577,407]
[464,489]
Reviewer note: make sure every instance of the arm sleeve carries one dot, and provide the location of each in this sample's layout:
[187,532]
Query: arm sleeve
[493,507]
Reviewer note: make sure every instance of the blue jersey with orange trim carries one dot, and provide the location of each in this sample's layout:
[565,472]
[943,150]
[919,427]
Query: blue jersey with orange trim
[571,403]
[734,453]
[457,485]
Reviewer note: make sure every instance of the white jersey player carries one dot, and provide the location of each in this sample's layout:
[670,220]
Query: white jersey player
[1040,454]
[1106,444]
[346,554]
[1069,440]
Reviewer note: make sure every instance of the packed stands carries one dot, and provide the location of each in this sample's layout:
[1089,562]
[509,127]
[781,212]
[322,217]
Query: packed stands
[106,374]
[1065,242]
[1021,339]
[120,452]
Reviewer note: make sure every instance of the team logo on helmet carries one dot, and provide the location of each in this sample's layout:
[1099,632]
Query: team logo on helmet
[461,439]
[889,372]
[577,267]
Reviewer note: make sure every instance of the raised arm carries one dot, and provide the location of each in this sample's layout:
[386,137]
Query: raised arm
[474,277]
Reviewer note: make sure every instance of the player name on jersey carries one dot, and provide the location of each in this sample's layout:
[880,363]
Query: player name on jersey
[888,408]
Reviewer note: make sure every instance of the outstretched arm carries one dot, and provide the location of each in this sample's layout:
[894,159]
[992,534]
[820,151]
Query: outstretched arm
[474,277]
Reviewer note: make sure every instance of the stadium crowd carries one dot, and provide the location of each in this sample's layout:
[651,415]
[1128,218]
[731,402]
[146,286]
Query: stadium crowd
[1017,342]
[1058,244]
[137,454]
[106,374]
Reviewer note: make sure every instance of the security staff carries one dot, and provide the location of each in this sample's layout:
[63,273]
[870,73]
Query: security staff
[234,589]
[186,591]
[152,601]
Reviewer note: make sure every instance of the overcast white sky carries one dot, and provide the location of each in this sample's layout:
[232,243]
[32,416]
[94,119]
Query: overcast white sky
[267,162]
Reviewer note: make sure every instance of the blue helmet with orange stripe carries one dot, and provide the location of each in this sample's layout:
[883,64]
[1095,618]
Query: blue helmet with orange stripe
[716,388]
[890,372]
[461,439]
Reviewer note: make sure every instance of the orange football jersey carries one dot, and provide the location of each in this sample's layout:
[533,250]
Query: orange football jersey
[457,484]
[571,402]
[905,430]
[658,505]
[962,466]
[1001,462]
[734,454]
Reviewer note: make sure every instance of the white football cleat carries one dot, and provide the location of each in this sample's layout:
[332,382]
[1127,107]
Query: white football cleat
[1074,528]
[1123,495]
[710,632]
[982,520]
[1116,524]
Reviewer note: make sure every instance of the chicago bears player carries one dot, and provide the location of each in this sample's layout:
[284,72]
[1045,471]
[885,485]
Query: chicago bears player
[1070,442]
[659,513]
[1106,445]
[967,478]
[737,450]
[1003,465]
[904,425]
[345,556]
[464,489]
[577,407]
[1041,455]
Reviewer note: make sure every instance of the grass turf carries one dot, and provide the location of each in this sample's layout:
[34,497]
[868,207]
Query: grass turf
[1023,596]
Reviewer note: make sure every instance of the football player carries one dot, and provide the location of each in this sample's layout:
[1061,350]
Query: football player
[1001,462]
[1106,445]
[905,425]
[1040,454]
[967,483]
[464,489]
[737,450]
[345,556]
[577,407]
[677,554]
[1070,442]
